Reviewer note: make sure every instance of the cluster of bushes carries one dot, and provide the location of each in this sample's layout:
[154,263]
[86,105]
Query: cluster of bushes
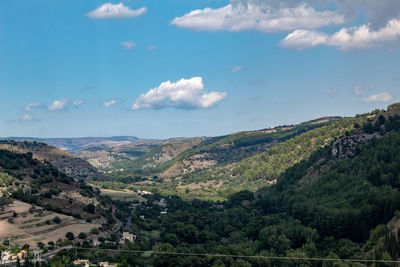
[382,124]
[50,193]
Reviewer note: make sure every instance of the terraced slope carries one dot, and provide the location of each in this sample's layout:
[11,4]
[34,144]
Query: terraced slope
[23,224]
[39,182]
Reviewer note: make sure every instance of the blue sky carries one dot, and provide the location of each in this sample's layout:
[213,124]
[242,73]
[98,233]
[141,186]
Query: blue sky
[100,68]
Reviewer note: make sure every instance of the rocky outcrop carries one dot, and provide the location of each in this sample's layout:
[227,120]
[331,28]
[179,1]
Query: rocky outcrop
[346,147]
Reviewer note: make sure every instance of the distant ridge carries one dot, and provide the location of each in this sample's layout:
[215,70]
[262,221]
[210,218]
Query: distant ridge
[73,145]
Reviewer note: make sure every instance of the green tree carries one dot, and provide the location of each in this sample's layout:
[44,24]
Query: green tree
[70,236]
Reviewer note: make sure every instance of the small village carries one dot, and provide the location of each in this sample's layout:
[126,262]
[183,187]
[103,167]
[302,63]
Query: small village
[13,255]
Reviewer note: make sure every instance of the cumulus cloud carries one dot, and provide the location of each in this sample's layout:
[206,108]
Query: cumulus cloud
[109,10]
[353,38]
[26,117]
[183,94]
[378,12]
[236,69]
[58,105]
[110,103]
[128,44]
[382,97]
[31,105]
[256,15]
[303,19]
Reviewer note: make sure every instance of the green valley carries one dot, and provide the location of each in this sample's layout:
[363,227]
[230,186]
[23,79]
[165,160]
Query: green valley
[321,193]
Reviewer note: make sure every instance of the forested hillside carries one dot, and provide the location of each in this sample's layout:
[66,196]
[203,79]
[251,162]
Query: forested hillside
[340,206]
[247,160]
[318,192]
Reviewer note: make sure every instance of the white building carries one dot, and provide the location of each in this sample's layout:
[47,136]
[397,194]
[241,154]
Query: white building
[127,237]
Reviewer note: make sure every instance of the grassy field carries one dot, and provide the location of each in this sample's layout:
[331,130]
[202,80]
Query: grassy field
[123,194]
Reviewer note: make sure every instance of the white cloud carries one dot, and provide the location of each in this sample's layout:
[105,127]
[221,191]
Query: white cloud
[378,12]
[152,48]
[358,90]
[253,15]
[302,19]
[183,94]
[58,105]
[110,103]
[26,117]
[236,69]
[109,10]
[77,103]
[31,105]
[331,92]
[382,97]
[301,39]
[353,38]
[128,44]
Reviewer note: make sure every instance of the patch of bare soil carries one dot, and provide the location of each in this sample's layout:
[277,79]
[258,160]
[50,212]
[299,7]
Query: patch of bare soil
[38,225]
[315,171]
[192,164]
[78,197]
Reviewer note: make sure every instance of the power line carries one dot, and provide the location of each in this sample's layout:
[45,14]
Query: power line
[237,256]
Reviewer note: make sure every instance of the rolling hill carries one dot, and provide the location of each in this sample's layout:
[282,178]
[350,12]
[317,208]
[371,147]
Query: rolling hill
[339,205]
[73,145]
[322,189]
[62,160]
[38,202]
[215,167]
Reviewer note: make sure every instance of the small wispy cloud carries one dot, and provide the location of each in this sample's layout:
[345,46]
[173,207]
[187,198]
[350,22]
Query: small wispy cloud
[382,97]
[358,90]
[77,103]
[110,103]
[128,44]
[331,91]
[26,117]
[58,105]
[152,48]
[108,10]
[30,106]
[236,69]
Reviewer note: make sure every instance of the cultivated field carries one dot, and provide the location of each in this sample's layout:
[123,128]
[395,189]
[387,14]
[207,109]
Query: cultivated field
[123,194]
[38,225]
